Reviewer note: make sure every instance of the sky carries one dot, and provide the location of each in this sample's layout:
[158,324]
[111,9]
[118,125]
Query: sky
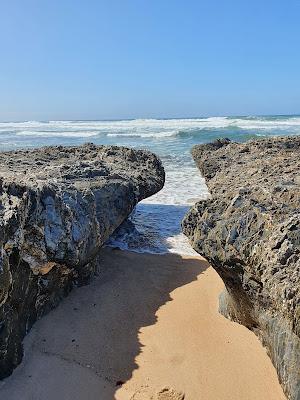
[85,59]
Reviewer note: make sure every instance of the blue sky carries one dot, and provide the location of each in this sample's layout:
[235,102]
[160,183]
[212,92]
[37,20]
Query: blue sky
[156,58]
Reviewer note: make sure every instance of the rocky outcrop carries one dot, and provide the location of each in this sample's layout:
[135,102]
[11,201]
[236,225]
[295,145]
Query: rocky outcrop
[249,230]
[58,205]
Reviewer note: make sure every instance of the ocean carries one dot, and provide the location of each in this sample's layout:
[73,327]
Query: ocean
[154,226]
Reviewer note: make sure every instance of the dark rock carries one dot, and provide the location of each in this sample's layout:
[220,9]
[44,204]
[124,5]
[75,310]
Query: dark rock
[58,205]
[249,230]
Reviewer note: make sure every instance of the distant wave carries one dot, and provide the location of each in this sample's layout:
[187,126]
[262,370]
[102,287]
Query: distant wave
[235,127]
[146,134]
[153,128]
[57,133]
[168,124]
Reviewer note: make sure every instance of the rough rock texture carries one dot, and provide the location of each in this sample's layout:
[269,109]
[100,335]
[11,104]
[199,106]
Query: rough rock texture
[58,205]
[249,230]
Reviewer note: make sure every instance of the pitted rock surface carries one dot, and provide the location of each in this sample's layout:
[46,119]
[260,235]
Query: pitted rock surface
[58,205]
[249,230]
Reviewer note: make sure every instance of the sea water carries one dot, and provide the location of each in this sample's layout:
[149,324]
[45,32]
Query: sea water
[154,226]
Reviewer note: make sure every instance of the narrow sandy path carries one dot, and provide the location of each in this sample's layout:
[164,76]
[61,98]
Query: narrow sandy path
[146,328]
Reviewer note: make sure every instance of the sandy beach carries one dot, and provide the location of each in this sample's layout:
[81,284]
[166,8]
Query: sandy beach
[146,328]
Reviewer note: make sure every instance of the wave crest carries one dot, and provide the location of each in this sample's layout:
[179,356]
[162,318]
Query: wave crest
[153,128]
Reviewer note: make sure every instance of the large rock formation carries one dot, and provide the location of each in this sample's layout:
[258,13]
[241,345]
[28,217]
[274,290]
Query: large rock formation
[58,205]
[249,230]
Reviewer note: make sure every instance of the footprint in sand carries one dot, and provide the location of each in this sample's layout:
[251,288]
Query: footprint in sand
[166,393]
[169,394]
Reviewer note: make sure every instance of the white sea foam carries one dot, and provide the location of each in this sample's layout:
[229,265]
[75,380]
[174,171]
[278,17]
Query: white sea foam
[147,127]
[157,220]
[59,133]
[146,134]
[156,128]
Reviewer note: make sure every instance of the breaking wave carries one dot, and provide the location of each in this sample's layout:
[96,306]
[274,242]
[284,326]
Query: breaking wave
[156,128]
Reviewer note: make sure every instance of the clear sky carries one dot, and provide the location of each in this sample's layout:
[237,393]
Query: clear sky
[85,59]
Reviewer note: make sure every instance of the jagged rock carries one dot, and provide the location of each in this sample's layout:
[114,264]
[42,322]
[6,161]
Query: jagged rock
[58,205]
[249,230]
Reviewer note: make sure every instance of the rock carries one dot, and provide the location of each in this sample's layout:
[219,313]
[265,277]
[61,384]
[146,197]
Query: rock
[58,205]
[249,231]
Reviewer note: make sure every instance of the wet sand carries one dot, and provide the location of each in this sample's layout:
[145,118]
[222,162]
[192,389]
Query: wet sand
[146,328]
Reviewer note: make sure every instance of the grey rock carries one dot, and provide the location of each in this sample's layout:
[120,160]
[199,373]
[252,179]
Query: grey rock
[249,231]
[58,206]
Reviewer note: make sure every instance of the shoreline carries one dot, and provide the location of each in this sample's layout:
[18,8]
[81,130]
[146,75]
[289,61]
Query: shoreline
[145,323]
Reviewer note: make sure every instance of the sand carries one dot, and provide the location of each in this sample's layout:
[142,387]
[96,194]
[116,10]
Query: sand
[146,328]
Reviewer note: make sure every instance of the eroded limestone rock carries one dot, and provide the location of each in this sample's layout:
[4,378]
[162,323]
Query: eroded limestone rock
[58,205]
[249,230]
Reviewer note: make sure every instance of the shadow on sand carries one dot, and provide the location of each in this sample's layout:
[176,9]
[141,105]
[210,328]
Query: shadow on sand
[87,347]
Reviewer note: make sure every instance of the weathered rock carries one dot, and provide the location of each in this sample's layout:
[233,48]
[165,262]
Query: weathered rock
[249,230]
[58,205]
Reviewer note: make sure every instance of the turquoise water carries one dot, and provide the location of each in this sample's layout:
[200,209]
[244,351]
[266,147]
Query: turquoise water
[157,219]
[165,136]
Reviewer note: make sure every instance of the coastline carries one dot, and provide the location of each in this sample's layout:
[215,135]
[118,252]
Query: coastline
[101,344]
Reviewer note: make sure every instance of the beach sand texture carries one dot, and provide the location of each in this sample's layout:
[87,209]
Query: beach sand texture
[147,328]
